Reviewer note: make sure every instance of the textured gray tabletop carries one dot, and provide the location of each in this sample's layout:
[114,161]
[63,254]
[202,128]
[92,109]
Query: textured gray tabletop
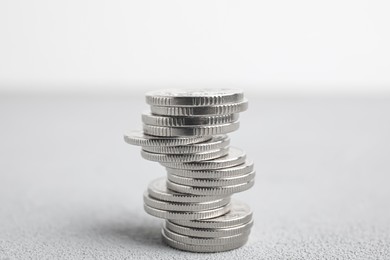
[70,188]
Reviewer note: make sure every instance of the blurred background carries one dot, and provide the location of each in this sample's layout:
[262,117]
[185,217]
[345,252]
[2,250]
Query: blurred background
[261,46]
[72,81]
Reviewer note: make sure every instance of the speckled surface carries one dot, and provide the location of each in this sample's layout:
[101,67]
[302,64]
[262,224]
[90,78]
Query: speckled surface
[70,188]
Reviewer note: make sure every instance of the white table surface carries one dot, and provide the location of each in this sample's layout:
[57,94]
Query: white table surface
[70,188]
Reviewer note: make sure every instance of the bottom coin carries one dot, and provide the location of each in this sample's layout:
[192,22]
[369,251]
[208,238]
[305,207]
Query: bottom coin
[208,232]
[193,240]
[202,248]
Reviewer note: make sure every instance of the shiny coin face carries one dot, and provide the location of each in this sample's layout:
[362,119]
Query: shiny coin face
[202,248]
[233,171]
[191,157]
[187,215]
[193,97]
[141,139]
[224,109]
[190,131]
[156,120]
[216,142]
[211,191]
[188,206]
[239,214]
[158,189]
[215,182]
[233,158]
[208,232]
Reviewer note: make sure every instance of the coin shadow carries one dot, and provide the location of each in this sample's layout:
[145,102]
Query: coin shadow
[131,233]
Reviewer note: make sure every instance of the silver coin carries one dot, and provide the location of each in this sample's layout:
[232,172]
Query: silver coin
[188,206]
[234,157]
[141,139]
[191,157]
[212,191]
[205,241]
[236,180]
[158,189]
[224,109]
[150,119]
[208,232]
[193,97]
[239,214]
[216,142]
[190,131]
[202,248]
[187,215]
[238,170]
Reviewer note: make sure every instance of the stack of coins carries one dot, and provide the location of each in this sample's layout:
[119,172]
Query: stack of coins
[185,131]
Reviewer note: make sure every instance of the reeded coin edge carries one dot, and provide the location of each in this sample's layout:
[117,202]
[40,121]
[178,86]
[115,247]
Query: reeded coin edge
[221,190]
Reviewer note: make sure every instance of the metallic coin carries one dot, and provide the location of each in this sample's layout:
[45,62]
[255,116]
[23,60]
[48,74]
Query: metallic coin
[238,170]
[234,157]
[190,131]
[188,206]
[207,240]
[202,248]
[239,214]
[150,119]
[212,191]
[187,215]
[191,157]
[208,232]
[158,189]
[216,142]
[236,180]
[141,139]
[224,109]
[193,97]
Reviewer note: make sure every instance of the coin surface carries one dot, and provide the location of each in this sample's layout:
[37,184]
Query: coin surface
[193,97]
[156,120]
[141,139]
[158,189]
[205,240]
[223,109]
[187,206]
[234,157]
[208,232]
[237,170]
[216,142]
[190,157]
[239,214]
[202,248]
[187,215]
[190,131]
[212,191]
[236,180]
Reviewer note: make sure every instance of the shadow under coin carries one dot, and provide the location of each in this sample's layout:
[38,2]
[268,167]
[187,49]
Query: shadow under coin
[131,233]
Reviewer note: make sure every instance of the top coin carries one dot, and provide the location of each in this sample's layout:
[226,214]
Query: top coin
[193,97]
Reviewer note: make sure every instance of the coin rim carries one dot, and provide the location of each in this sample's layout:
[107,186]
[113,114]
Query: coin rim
[157,97]
[220,190]
[187,215]
[223,109]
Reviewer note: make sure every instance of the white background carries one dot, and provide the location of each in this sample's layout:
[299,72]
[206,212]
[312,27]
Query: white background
[275,46]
